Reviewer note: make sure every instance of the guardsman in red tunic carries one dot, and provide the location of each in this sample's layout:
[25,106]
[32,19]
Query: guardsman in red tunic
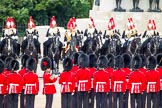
[118,80]
[84,80]
[6,73]
[143,70]
[14,82]
[74,72]
[92,69]
[31,83]
[49,88]
[126,69]
[153,82]
[159,69]
[7,63]
[22,72]
[101,83]
[110,69]
[2,83]
[136,82]
[67,81]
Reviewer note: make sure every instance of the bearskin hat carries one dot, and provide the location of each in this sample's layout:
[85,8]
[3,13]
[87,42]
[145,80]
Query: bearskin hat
[2,66]
[136,62]
[14,65]
[83,60]
[31,64]
[119,63]
[159,59]
[75,58]
[151,62]
[24,59]
[92,60]
[67,64]
[143,60]
[102,62]
[127,60]
[110,58]
[7,62]
[46,63]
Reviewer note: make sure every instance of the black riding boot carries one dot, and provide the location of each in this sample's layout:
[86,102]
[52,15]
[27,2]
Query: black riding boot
[44,51]
[18,49]
[39,52]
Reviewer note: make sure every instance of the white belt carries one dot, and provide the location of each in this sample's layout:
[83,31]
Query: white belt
[1,85]
[98,84]
[117,82]
[11,86]
[64,83]
[133,84]
[81,81]
[27,85]
[49,84]
[160,84]
[149,84]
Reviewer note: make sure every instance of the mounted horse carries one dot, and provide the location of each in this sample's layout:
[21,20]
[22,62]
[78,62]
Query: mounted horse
[111,45]
[54,51]
[9,47]
[132,46]
[31,48]
[152,46]
[91,44]
[74,45]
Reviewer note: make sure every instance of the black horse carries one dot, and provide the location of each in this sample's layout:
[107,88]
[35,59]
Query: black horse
[73,46]
[54,51]
[111,45]
[91,45]
[152,46]
[31,48]
[132,47]
[9,47]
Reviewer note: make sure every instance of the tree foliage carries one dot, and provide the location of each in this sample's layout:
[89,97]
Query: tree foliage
[43,10]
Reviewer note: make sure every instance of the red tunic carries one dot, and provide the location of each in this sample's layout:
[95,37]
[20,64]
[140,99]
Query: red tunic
[31,83]
[143,70]
[92,71]
[118,80]
[49,86]
[83,78]
[15,83]
[136,82]
[2,84]
[110,71]
[67,81]
[160,73]
[75,69]
[6,74]
[74,72]
[153,81]
[22,72]
[101,81]
[127,72]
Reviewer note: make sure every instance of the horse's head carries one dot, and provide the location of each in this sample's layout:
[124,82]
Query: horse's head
[135,45]
[30,39]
